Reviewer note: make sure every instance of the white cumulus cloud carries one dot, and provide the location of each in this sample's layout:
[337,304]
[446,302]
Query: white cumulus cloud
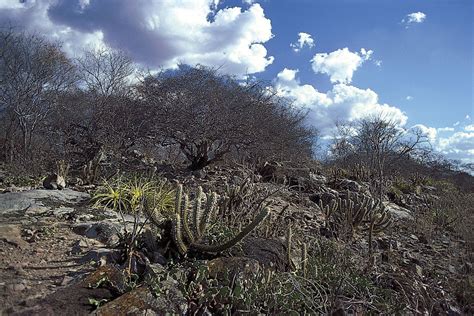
[304,39]
[459,142]
[413,18]
[469,128]
[341,64]
[155,33]
[342,103]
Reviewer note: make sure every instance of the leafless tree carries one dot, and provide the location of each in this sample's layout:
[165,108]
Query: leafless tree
[105,72]
[379,143]
[382,142]
[33,72]
[208,115]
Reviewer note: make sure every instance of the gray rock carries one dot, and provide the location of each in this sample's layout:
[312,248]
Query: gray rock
[397,211]
[105,232]
[31,200]
[141,301]
[317,178]
[346,184]
[79,247]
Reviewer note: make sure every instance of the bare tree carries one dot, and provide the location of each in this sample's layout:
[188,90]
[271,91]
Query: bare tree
[33,72]
[105,72]
[382,142]
[208,115]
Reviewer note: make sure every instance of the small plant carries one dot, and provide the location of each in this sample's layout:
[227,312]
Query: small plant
[135,196]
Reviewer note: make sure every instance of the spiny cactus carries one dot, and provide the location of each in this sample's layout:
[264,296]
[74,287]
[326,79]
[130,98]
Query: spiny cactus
[354,212]
[360,172]
[189,235]
[304,260]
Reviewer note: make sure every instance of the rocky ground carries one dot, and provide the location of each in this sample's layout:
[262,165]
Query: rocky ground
[56,249]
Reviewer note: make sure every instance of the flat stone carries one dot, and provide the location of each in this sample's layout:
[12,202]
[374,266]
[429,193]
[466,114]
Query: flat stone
[31,200]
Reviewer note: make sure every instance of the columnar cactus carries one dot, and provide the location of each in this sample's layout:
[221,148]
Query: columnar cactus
[189,236]
[355,212]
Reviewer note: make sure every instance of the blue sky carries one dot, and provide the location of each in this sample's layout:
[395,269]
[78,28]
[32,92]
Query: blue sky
[409,59]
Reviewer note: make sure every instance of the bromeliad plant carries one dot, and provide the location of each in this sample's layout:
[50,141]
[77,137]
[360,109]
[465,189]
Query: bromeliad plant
[136,196]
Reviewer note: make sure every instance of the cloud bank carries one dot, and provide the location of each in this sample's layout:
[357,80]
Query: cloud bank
[342,103]
[154,33]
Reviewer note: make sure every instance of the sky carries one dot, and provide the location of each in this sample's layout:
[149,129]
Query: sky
[410,60]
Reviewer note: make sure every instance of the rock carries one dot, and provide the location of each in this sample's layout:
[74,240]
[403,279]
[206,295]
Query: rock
[79,246]
[451,268]
[74,298]
[63,211]
[12,235]
[18,287]
[116,279]
[33,201]
[199,174]
[346,184]
[325,197]
[105,232]
[317,178]
[268,252]
[104,255]
[419,270]
[54,182]
[141,301]
[66,280]
[397,211]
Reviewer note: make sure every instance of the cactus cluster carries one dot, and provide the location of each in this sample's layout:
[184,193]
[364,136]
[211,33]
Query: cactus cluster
[235,195]
[355,211]
[360,172]
[189,229]
[337,173]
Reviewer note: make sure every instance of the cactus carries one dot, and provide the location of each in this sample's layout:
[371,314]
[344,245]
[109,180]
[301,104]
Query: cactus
[360,172]
[304,260]
[354,212]
[193,237]
[289,240]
